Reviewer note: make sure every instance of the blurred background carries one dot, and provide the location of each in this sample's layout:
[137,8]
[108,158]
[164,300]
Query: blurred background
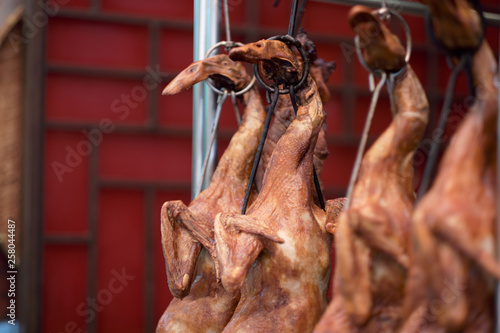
[90,149]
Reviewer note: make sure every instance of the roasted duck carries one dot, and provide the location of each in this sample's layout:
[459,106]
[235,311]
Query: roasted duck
[284,113]
[371,240]
[279,254]
[451,285]
[201,304]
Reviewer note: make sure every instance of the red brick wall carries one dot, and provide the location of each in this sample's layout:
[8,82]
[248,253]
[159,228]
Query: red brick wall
[102,196]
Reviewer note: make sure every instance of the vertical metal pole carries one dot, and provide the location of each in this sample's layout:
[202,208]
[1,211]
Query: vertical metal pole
[212,37]
[198,91]
[206,34]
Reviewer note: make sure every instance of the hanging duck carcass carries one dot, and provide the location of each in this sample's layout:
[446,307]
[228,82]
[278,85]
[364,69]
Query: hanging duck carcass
[279,254]
[451,288]
[371,240]
[201,304]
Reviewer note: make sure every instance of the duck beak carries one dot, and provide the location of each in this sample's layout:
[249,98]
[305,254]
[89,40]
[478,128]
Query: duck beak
[201,70]
[193,74]
[263,50]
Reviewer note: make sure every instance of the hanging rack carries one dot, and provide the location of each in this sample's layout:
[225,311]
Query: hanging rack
[407,7]
[206,32]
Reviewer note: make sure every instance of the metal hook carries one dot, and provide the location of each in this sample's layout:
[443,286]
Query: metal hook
[290,41]
[220,102]
[236,108]
[430,165]
[364,137]
[384,12]
[409,45]
[293,17]
[226,20]
[209,81]
[263,137]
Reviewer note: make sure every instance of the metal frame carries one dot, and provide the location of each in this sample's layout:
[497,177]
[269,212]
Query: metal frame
[30,271]
[407,7]
[206,34]
[251,32]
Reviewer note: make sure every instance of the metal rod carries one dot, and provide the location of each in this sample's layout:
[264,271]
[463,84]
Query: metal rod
[263,136]
[212,37]
[293,17]
[198,90]
[213,138]
[430,165]
[407,7]
[206,33]
[236,108]
[226,20]
[364,137]
[302,9]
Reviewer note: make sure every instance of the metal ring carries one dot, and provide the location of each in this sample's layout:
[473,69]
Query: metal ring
[383,13]
[219,44]
[407,33]
[209,81]
[290,41]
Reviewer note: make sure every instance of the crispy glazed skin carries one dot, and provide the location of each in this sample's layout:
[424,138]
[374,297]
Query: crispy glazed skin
[451,285]
[372,236]
[201,303]
[279,254]
[284,114]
